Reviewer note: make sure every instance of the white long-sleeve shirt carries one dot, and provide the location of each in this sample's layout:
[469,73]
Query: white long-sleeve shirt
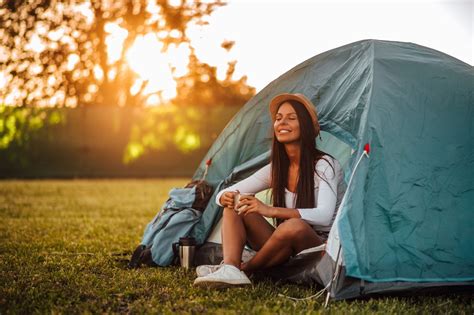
[328,193]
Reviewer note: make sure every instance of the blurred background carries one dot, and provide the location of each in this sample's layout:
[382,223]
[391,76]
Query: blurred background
[110,88]
[142,88]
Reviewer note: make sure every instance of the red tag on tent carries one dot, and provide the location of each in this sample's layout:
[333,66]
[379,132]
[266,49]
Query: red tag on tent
[209,162]
[367,148]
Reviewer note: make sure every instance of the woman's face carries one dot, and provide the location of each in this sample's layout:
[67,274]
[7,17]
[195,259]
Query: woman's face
[286,126]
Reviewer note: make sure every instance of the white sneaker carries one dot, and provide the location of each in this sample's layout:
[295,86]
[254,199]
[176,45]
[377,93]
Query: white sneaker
[204,270]
[226,276]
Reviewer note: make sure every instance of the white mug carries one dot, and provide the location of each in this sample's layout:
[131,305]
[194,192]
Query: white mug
[237,196]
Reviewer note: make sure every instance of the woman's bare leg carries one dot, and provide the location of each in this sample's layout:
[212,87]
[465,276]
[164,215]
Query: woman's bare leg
[233,237]
[236,230]
[290,237]
[258,230]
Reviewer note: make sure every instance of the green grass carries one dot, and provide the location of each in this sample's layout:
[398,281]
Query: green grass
[61,246]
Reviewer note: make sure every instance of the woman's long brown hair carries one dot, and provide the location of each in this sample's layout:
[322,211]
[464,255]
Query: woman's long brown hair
[308,158]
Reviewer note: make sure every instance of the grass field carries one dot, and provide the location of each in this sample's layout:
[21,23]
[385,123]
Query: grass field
[62,246]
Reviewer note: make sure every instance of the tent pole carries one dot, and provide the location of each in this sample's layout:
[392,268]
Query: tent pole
[337,270]
[333,278]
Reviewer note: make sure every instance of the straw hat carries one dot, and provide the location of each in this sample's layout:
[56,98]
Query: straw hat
[281,98]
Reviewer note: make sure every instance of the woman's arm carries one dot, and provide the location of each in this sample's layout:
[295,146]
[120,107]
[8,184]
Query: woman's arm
[322,215]
[249,204]
[284,213]
[253,184]
[327,199]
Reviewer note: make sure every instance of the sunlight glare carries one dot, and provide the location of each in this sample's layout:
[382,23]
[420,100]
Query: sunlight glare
[204,39]
[169,93]
[56,98]
[12,97]
[136,87]
[3,80]
[175,33]
[153,100]
[86,10]
[174,3]
[221,73]
[72,60]
[41,28]
[71,102]
[36,44]
[147,59]
[178,58]
[145,56]
[153,8]
[69,41]
[51,80]
[111,74]
[98,73]
[162,34]
[92,88]
[56,34]
[114,41]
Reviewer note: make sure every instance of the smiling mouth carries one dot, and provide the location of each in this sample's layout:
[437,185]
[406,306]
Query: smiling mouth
[283,131]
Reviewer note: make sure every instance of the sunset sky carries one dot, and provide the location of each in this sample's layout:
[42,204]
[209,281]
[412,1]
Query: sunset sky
[273,36]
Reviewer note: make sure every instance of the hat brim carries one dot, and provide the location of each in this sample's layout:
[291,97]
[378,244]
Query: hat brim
[281,98]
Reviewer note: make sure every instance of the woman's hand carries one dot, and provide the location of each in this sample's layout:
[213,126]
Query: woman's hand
[227,199]
[250,204]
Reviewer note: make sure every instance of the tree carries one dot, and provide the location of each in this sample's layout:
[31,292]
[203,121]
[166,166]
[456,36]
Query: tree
[200,86]
[58,52]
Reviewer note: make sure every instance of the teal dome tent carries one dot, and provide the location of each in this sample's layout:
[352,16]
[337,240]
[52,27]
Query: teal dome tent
[407,216]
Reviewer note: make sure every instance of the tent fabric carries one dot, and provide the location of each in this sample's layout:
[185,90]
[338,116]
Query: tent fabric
[409,211]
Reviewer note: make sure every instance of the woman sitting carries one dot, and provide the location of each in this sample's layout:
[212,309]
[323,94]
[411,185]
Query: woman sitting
[307,186]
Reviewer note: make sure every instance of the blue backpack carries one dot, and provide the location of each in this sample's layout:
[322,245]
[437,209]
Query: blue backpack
[176,219]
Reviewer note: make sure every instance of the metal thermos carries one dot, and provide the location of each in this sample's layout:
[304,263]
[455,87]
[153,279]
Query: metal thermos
[186,251]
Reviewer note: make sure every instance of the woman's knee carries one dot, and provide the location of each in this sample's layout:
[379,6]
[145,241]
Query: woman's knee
[229,212]
[247,219]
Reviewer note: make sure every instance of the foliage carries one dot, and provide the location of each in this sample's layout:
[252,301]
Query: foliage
[65,244]
[200,86]
[167,140]
[56,52]
[186,128]
[19,126]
